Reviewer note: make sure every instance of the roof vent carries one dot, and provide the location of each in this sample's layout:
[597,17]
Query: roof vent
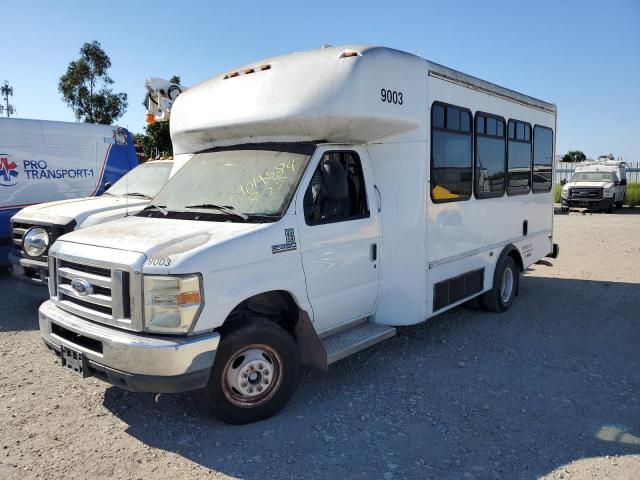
[349,53]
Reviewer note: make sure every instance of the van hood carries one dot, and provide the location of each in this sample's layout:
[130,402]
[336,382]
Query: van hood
[64,211]
[590,184]
[156,236]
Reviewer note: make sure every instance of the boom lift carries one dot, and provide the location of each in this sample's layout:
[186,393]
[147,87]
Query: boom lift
[161,94]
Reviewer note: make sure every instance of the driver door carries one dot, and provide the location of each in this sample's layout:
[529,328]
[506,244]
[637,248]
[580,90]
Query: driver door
[339,235]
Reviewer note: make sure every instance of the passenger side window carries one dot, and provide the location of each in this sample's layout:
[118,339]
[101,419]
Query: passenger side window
[451,153]
[337,191]
[542,158]
[490,156]
[519,158]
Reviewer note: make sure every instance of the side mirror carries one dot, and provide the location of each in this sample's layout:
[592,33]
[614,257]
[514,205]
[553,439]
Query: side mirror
[623,182]
[107,186]
[617,183]
[563,181]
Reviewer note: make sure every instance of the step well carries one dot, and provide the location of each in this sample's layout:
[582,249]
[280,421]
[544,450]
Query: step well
[348,342]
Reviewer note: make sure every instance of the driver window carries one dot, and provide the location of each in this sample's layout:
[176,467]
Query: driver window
[336,192]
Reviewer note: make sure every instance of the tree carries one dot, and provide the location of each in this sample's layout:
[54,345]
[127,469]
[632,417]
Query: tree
[86,87]
[157,140]
[574,156]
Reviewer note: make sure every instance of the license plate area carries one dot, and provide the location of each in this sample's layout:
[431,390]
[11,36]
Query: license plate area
[74,361]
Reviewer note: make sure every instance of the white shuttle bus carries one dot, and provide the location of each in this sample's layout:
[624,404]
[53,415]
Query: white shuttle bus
[333,195]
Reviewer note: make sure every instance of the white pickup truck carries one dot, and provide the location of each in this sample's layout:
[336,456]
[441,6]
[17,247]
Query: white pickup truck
[598,185]
[35,228]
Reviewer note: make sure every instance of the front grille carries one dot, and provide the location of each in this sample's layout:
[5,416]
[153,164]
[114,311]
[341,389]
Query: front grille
[585,193]
[108,296]
[17,231]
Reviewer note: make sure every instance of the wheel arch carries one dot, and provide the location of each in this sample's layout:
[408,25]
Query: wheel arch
[281,307]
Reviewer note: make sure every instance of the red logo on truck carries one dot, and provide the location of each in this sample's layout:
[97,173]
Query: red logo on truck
[8,171]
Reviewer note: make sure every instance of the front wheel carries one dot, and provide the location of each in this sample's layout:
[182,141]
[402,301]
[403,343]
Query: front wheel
[255,373]
[505,286]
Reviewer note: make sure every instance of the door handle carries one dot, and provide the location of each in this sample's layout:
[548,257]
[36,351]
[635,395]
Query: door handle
[374,252]
[379,197]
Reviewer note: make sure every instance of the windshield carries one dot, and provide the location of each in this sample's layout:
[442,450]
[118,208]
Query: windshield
[593,177]
[145,180]
[234,183]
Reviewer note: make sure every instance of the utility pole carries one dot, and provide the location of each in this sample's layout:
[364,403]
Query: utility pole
[6,90]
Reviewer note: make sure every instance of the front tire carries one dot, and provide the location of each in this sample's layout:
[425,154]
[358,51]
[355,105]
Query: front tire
[505,285]
[255,373]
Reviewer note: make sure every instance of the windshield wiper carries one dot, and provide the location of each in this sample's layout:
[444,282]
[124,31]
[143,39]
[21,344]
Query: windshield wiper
[137,194]
[160,208]
[228,209]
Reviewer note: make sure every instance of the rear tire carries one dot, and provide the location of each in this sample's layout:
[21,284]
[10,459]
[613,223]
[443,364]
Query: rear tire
[255,373]
[505,285]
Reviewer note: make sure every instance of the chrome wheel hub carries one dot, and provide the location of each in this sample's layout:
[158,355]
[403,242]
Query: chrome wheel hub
[506,285]
[252,376]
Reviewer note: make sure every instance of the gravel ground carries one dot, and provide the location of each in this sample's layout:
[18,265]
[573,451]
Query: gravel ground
[549,389]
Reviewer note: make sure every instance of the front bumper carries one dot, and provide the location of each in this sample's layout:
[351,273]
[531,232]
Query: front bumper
[34,272]
[591,204]
[128,360]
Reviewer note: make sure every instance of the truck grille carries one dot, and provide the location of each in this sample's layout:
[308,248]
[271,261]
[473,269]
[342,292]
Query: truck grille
[17,231]
[102,294]
[585,193]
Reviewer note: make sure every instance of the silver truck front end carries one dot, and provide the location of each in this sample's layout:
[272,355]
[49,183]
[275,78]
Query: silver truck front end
[98,329]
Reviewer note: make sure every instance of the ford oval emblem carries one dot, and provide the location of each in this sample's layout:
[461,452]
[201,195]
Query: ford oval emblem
[81,287]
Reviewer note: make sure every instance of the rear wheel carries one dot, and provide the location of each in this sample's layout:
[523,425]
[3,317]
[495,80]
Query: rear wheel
[256,371]
[505,286]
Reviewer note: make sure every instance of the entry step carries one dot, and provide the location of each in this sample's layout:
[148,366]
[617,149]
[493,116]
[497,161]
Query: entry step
[354,339]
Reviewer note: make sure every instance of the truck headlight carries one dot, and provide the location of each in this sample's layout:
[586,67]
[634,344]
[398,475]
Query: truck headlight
[565,192]
[608,192]
[35,241]
[171,303]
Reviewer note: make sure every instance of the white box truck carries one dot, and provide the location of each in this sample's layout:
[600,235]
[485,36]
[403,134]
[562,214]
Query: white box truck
[600,185]
[35,228]
[333,195]
[42,161]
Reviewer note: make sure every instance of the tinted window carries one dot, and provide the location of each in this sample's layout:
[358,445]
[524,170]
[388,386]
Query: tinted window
[336,192]
[438,116]
[451,156]
[490,158]
[519,159]
[453,118]
[542,158]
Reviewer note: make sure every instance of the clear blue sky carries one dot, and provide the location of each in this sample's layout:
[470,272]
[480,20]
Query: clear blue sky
[582,55]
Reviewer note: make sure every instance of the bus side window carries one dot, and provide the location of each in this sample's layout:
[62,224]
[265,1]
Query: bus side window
[519,158]
[451,153]
[542,158]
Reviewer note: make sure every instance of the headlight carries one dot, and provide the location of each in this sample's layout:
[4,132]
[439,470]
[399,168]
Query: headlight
[171,303]
[35,241]
[608,192]
[565,192]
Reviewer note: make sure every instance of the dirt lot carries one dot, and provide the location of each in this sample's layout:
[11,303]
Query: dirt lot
[550,388]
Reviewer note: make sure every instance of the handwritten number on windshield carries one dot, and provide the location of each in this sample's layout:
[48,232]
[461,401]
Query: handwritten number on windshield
[265,184]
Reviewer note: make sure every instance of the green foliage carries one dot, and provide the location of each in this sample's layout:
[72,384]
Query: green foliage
[574,156]
[86,87]
[632,198]
[557,193]
[156,140]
